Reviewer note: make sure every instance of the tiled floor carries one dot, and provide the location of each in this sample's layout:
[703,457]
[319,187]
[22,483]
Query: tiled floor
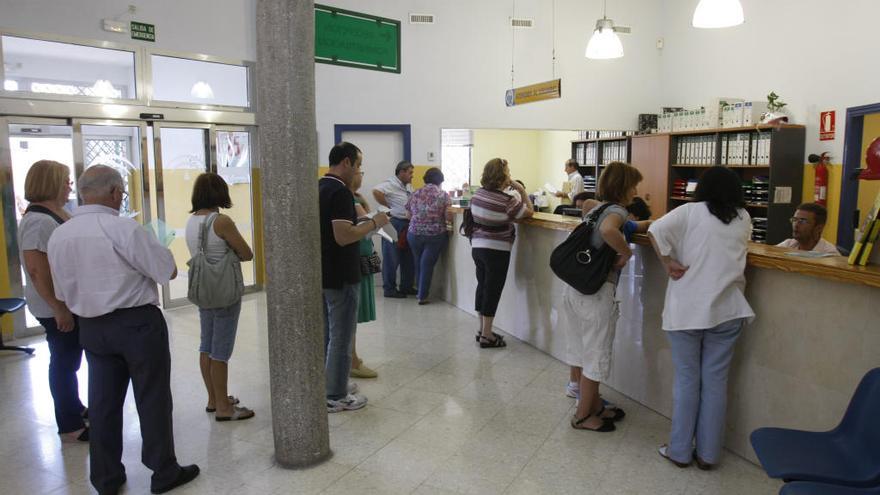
[444,417]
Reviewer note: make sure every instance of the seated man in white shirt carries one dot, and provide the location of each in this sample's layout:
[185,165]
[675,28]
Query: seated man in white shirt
[105,268]
[806,230]
[575,180]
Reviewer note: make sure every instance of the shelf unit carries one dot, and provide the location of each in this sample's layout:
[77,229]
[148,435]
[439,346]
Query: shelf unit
[593,154]
[768,159]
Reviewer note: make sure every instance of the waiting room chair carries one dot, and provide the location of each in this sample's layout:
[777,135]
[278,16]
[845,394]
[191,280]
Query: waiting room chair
[9,305]
[810,488]
[847,455]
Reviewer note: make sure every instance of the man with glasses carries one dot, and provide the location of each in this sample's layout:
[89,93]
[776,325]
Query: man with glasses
[806,230]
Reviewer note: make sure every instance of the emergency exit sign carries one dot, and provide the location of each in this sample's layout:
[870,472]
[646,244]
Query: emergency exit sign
[142,31]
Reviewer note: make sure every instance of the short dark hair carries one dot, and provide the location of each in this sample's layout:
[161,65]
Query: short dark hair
[571,162]
[616,181]
[816,209]
[342,151]
[401,166]
[434,176]
[210,191]
[721,189]
[639,209]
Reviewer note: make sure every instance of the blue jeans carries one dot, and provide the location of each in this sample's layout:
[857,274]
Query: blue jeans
[699,393]
[426,250]
[392,257]
[219,326]
[65,356]
[340,322]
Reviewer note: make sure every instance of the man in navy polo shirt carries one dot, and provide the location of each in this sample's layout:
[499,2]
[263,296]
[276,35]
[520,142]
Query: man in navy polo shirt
[340,269]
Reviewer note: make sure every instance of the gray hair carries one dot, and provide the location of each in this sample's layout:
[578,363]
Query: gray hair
[98,181]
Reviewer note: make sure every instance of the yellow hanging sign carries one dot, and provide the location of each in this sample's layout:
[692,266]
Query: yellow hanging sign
[534,92]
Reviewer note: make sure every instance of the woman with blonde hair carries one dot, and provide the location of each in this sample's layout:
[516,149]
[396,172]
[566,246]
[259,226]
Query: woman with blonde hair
[495,207]
[589,320]
[47,187]
[218,325]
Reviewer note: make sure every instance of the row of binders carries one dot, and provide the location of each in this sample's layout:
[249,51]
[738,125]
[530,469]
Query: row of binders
[603,134]
[587,154]
[720,113]
[744,148]
[613,151]
[759,229]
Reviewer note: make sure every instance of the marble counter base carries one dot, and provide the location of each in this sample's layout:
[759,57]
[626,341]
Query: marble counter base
[795,366]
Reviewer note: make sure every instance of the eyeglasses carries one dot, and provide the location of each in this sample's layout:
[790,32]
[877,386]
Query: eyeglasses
[800,221]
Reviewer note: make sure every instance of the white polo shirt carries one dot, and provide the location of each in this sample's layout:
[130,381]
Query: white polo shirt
[711,292]
[396,195]
[822,246]
[102,262]
[577,184]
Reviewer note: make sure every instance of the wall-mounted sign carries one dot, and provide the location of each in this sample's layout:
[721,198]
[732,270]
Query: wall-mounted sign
[534,92]
[358,40]
[142,31]
[826,126]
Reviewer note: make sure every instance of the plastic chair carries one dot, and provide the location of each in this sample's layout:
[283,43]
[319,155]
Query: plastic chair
[847,455]
[9,305]
[810,488]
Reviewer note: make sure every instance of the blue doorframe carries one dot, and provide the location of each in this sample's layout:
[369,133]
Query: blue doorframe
[404,129]
[849,182]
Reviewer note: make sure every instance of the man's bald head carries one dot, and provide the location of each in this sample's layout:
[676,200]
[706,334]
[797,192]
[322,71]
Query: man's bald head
[101,185]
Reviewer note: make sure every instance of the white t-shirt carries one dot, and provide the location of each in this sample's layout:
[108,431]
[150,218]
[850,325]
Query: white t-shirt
[711,291]
[34,231]
[822,246]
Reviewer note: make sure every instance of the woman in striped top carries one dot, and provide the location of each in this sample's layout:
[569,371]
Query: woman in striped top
[494,209]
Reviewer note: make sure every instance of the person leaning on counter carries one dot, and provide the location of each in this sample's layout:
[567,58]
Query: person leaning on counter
[806,230]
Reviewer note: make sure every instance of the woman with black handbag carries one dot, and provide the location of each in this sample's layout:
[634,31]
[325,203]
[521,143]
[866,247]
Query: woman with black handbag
[589,319]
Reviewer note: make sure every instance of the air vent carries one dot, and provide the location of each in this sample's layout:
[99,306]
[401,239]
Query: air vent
[421,18]
[521,23]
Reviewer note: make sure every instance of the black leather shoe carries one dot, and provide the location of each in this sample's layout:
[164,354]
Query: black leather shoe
[395,295]
[187,474]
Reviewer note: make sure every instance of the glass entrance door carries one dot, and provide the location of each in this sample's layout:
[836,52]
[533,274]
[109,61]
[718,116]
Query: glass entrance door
[182,152]
[23,142]
[235,164]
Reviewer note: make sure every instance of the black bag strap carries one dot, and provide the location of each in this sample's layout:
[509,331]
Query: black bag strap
[45,211]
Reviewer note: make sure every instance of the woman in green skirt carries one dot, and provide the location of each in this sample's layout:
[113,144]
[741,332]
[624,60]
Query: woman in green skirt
[367,300]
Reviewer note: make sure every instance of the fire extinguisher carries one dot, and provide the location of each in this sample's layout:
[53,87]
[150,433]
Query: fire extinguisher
[820,183]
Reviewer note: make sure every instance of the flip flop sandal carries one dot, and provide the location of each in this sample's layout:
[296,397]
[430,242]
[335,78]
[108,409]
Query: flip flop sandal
[232,400]
[490,344]
[497,336]
[238,414]
[607,425]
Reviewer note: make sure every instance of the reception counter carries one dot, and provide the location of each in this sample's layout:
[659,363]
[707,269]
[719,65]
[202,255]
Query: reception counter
[816,331]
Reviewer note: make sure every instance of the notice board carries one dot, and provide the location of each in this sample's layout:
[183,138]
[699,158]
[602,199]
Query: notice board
[352,39]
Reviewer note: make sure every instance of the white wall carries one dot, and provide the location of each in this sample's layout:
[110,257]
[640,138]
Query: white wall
[456,71]
[225,28]
[817,55]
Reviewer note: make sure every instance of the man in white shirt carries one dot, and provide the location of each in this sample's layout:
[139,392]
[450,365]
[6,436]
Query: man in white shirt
[575,180]
[105,268]
[393,194]
[806,230]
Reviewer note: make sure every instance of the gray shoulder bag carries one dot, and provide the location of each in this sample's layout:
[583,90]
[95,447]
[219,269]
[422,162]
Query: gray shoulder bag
[213,285]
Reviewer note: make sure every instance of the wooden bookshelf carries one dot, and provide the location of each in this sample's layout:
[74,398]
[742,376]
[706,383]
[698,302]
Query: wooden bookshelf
[593,154]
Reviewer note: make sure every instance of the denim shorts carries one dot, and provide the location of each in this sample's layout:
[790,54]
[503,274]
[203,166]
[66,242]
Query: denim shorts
[218,331]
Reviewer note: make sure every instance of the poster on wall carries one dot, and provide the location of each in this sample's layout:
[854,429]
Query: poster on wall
[826,126]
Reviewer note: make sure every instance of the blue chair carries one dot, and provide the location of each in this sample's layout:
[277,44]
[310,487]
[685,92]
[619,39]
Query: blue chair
[810,488]
[847,455]
[8,306]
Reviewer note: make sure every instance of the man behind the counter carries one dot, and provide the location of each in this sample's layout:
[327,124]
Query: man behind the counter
[806,230]
[575,179]
[393,194]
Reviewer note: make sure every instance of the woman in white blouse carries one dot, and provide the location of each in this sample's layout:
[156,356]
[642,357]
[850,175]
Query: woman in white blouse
[703,247]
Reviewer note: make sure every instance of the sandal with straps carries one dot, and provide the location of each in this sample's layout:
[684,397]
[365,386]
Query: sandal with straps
[485,343]
[497,336]
[618,413]
[578,424]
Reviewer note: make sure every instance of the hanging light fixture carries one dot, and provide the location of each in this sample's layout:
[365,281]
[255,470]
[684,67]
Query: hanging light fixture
[711,14]
[202,90]
[104,89]
[604,44]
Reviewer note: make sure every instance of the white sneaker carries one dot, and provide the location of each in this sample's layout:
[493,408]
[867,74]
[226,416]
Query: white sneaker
[350,402]
[352,387]
[572,390]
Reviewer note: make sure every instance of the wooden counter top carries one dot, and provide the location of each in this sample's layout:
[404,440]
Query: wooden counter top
[760,255]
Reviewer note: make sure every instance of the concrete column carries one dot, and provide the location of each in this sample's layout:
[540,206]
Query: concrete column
[289,162]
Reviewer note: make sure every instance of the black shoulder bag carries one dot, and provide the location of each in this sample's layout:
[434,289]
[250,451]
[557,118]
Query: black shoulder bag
[578,263]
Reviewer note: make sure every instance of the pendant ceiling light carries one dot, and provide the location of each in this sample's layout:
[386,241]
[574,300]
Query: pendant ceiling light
[604,44]
[711,14]
[202,90]
[104,89]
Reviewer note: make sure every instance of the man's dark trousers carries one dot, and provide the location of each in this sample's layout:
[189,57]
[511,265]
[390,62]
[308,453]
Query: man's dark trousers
[129,344]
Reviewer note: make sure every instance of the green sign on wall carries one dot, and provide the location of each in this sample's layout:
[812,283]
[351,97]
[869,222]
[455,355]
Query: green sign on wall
[352,39]
[143,31]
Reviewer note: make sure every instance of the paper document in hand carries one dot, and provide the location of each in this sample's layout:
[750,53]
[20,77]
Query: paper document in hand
[388,232]
[550,189]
